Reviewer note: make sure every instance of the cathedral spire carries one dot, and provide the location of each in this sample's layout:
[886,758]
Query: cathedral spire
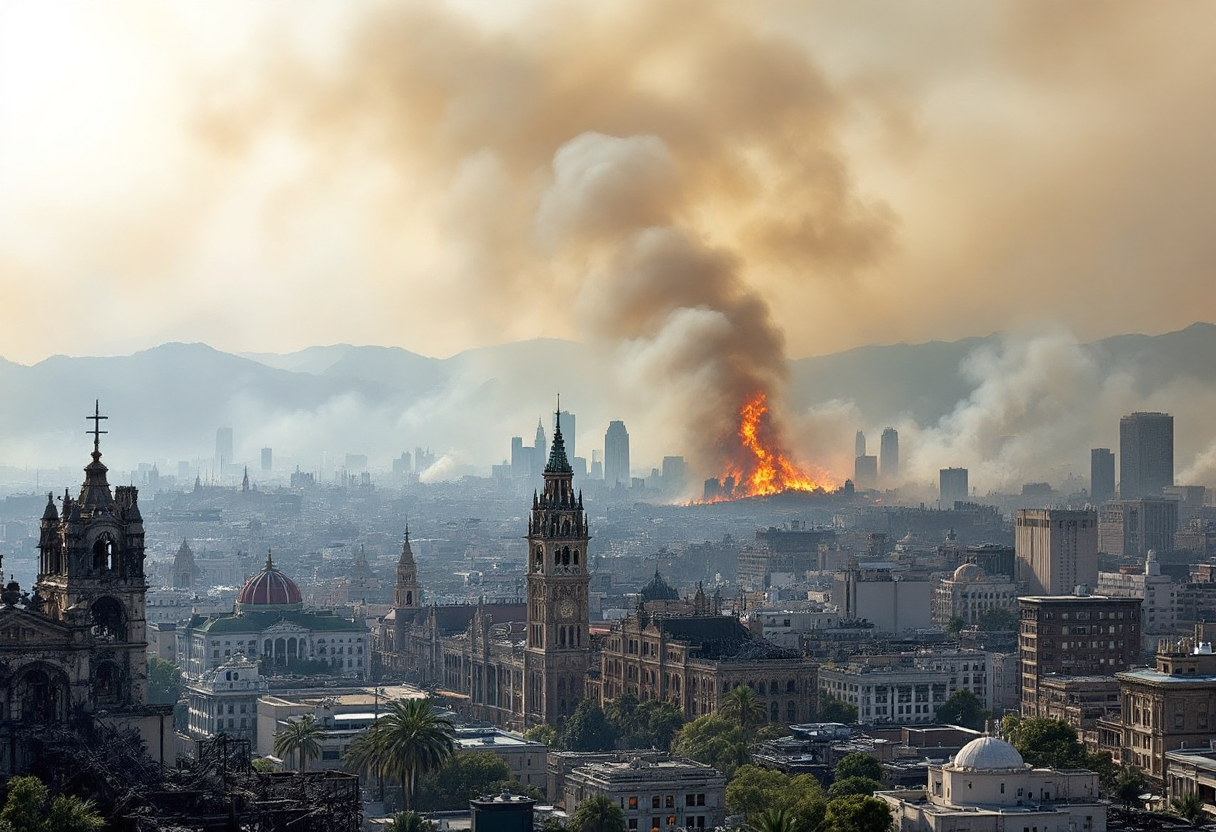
[95,492]
[558,462]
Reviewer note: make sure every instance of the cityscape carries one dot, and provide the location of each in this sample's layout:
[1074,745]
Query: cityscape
[635,418]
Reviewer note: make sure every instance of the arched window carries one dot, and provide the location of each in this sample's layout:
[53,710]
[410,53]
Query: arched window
[576,557]
[104,553]
[109,619]
[107,684]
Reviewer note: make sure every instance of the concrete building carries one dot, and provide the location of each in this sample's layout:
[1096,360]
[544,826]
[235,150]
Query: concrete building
[859,444]
[1130,528]
[654,793]
[906,688]
[865,472]
[1146,454]
[616,455]
[1057,549]
[1082,702]
[988,787]
[1101,475]
[953,487]
[526,758]
[890,600]
[791,550]
[1075,636]
[888,458]
[224,701]
[1192,771]
[1158,595]
[969,593]
[787,626]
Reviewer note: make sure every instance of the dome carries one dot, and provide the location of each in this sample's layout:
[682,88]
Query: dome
[968,572]
[989,754]
[270,588]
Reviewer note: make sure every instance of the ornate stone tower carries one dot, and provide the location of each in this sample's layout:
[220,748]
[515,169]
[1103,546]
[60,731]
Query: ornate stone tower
[405,589]
[185,571]
[91,573]
[558,652]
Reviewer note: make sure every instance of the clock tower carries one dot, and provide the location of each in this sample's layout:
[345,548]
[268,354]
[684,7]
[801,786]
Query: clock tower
[558,654]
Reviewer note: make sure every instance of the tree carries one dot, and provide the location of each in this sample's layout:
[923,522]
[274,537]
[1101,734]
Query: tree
[713,740]
[164,682]
[856,813]
[963,708]
[744,708]
[588,729]
[754,790]
[1188,806]
[955,625]
[367,755]
[1045,743]
[773,820]
[857,764]
[27,810]
[413,740]
[649,724]
[463,776]
[410,822]
[853,785]
[543,733]
[262,765]
[997,619]
[302,738]
[597,814]
[833,710]
[1129,785]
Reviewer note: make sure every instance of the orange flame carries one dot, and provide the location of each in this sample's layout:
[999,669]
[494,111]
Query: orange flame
[763,468]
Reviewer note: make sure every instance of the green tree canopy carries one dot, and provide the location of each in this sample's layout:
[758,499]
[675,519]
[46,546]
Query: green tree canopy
[713,740]
[833,710]
[649,724]
[856,813]
[1042,742]
[1129,785]
[410,822]
[773,820]
[1188,806]
[955,625]
[301,739]
[998,618]
[846,786]
[29,808]
[857,764]
[413,740]
[754,790]
[543,733]
[464,776]
[588,729]
[597,814]
[963,708]
[164,682]
[744,708]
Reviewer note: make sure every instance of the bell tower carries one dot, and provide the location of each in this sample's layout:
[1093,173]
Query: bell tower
[558,646]
[405,589]
[91,574]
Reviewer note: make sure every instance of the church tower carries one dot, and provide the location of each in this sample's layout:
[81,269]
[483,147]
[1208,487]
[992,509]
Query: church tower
[91,573]
[558,654]
[405,590]
[185,571]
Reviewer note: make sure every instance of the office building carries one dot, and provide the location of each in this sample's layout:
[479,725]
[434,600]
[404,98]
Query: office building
[905,688]
[654,792]
[859,444]
[675,473]
[223,448]
[865,472]
[1133,528]
[1056,549]
[267,460]
[616,455]
[969,593]
[1157,592]
[1071,635]
[884,596]
[597,465]
[1101,475]
[568,431]
[953,487]
[1146,454]
[888,457]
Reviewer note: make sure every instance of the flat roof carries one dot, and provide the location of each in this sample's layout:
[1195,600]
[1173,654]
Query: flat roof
[1157,677]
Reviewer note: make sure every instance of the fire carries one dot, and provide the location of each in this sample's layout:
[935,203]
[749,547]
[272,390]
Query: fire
[762,466]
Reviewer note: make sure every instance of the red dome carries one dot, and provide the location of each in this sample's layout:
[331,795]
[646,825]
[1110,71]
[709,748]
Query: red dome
[270,588]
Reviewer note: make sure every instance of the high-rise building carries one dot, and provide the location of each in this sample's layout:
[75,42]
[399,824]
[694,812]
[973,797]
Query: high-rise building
[1101,475]
[1131,528]
[865,472]
[597,465]
[223,448]
[267,460]
[521,464]
[953,487]
[1146,454]
[859,444]
[675,473]
[1057,549]
[616,455]
[888,457]
[538,450]
[568,429]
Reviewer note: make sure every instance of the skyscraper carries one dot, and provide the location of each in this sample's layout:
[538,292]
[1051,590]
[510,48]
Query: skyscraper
[1056,549]
[1101,475]
[1146,454]
[888,457]
[859,444]
[568,427]
[616,454]
[953,486]
[538,450]
[267,460]
[865,472]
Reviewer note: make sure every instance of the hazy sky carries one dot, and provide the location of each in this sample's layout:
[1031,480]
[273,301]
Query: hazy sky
[269,176]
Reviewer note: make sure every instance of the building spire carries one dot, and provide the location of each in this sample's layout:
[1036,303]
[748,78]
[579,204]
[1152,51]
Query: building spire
[558,462]
[269,561]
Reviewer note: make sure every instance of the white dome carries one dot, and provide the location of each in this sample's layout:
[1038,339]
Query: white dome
[989,754]
[968,572]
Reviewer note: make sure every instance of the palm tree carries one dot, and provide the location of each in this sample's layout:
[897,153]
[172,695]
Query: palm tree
[598,814]
[410,822]
[773,820]
[743,707]
[412,740]
[366,755]
[302,737]
[1188,806]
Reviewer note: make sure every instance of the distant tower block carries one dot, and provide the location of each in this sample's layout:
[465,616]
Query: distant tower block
[568,427]
[267,460]
[1101,475]
[953,486]
[1146,454]
[865,472]
[859,444]
[616,455]
[223,447]
[888,457]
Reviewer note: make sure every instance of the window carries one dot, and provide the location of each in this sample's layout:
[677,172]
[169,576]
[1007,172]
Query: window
[670,803]
[633,802]
[654,802]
